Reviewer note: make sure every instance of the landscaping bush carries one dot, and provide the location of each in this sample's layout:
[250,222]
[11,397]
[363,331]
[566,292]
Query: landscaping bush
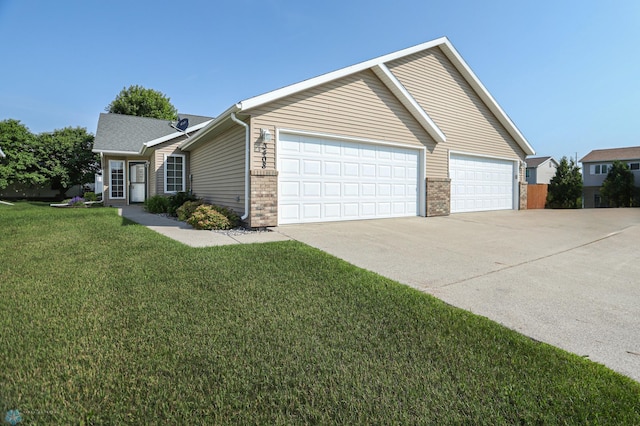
[207,217]
[178,199]
[185,211]
[77,202]
[157,204]
[233,217]
[90,196]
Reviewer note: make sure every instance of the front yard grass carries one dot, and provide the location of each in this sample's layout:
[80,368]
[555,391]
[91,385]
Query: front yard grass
[103,321]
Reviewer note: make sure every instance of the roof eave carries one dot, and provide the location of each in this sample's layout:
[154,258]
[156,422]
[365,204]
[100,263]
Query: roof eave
[484,94]
[208,128]
[113,152]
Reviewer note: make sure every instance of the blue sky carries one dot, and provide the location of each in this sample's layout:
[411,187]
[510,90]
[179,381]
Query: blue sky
[566,72]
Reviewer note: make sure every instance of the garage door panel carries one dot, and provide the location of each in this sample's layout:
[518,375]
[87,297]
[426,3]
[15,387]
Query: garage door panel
[481,184]
[336,180]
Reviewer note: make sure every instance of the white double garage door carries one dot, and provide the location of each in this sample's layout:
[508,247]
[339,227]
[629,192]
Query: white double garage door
[324,179]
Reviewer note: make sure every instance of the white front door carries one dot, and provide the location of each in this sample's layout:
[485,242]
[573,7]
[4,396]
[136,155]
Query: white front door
[323,179]
[138,182]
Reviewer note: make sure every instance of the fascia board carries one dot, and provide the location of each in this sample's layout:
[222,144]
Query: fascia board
[208,128]
[325,78]
[174,135]
[484,94]
[108,152]
[392,83]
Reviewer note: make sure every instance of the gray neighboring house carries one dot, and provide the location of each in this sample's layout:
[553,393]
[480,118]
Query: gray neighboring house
[140,157]
[540,169]
[595,166]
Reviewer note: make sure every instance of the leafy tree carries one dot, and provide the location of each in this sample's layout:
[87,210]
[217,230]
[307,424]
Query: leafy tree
[136,100]
[62,158]
[21,164]
[618,187]
[66,157]
[565,188]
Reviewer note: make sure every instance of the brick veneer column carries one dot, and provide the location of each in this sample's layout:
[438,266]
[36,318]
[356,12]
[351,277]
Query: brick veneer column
[523,195]
[263,210]
[438,196]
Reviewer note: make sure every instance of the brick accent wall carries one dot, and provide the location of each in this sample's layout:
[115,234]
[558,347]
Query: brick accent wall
[263,210]
[523,195]
[438,196]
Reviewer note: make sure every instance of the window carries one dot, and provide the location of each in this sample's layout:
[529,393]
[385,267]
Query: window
[599,169]
[634,166]
[527,173]
[174,171]
[116,179]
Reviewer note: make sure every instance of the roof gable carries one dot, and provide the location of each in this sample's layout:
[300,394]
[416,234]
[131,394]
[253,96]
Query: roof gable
[379,66]
[128,134]
[538,161]
[628,153]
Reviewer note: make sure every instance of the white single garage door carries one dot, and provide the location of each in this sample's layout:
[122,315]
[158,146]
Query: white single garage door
[322,180]
[479,183]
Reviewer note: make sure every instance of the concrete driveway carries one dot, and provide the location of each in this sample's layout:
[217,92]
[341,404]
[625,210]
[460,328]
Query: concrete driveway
[570,278]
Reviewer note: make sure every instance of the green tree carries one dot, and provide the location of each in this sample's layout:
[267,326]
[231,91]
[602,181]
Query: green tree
[565,188]
[67,159]
[22,162]
[136,100]
[618,187]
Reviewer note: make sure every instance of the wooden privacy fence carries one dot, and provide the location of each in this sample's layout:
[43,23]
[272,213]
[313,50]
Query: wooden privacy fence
[537,195]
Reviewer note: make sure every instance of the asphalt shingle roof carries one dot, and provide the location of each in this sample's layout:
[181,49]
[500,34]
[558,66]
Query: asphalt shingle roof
[128,133]
[630,153]
[536,161]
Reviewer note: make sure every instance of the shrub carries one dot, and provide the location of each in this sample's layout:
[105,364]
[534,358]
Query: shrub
[185,211]
[77,202]
[178,199]
[233,217]
[90,196]
[157,204]
[207,217]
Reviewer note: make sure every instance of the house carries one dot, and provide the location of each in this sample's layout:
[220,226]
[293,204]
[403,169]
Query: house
[595,166]
[409,133]
[2,154]
[140,156]
[540,170]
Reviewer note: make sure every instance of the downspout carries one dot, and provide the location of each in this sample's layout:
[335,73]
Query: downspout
[246,166]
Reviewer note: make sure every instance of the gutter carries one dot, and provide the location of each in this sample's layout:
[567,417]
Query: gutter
[246,165]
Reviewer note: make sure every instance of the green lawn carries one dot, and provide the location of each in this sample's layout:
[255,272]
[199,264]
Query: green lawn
[105,322]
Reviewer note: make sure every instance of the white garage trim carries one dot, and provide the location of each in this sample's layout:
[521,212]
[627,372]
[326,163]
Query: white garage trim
[324,177]
[481,182]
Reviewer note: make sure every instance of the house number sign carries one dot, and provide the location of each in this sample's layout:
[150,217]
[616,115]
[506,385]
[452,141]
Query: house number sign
[264,155]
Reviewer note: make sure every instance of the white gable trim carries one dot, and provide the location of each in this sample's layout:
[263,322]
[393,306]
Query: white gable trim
[392,83]
[174,135]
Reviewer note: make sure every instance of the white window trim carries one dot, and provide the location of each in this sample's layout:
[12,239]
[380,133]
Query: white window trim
[184,172]
[124,180]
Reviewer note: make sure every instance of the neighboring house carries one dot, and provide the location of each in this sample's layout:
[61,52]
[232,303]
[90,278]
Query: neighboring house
[410,133]
[540,169]
[595,166]
[2,155]
[140,156]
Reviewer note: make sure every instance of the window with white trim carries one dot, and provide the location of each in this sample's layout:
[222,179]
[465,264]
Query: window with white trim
[174,171]
[116,179]
[599,169]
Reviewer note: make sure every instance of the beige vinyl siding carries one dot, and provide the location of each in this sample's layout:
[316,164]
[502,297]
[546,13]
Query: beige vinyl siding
[455,108]
[217,167]
[156,169]
[358,105]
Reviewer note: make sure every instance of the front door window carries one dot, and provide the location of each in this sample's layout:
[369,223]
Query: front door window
[137,182]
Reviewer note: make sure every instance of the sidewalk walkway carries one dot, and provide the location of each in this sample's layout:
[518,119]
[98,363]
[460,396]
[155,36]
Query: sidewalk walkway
[185,234]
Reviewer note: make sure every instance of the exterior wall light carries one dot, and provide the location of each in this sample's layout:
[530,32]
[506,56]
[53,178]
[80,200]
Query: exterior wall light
[265,135]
